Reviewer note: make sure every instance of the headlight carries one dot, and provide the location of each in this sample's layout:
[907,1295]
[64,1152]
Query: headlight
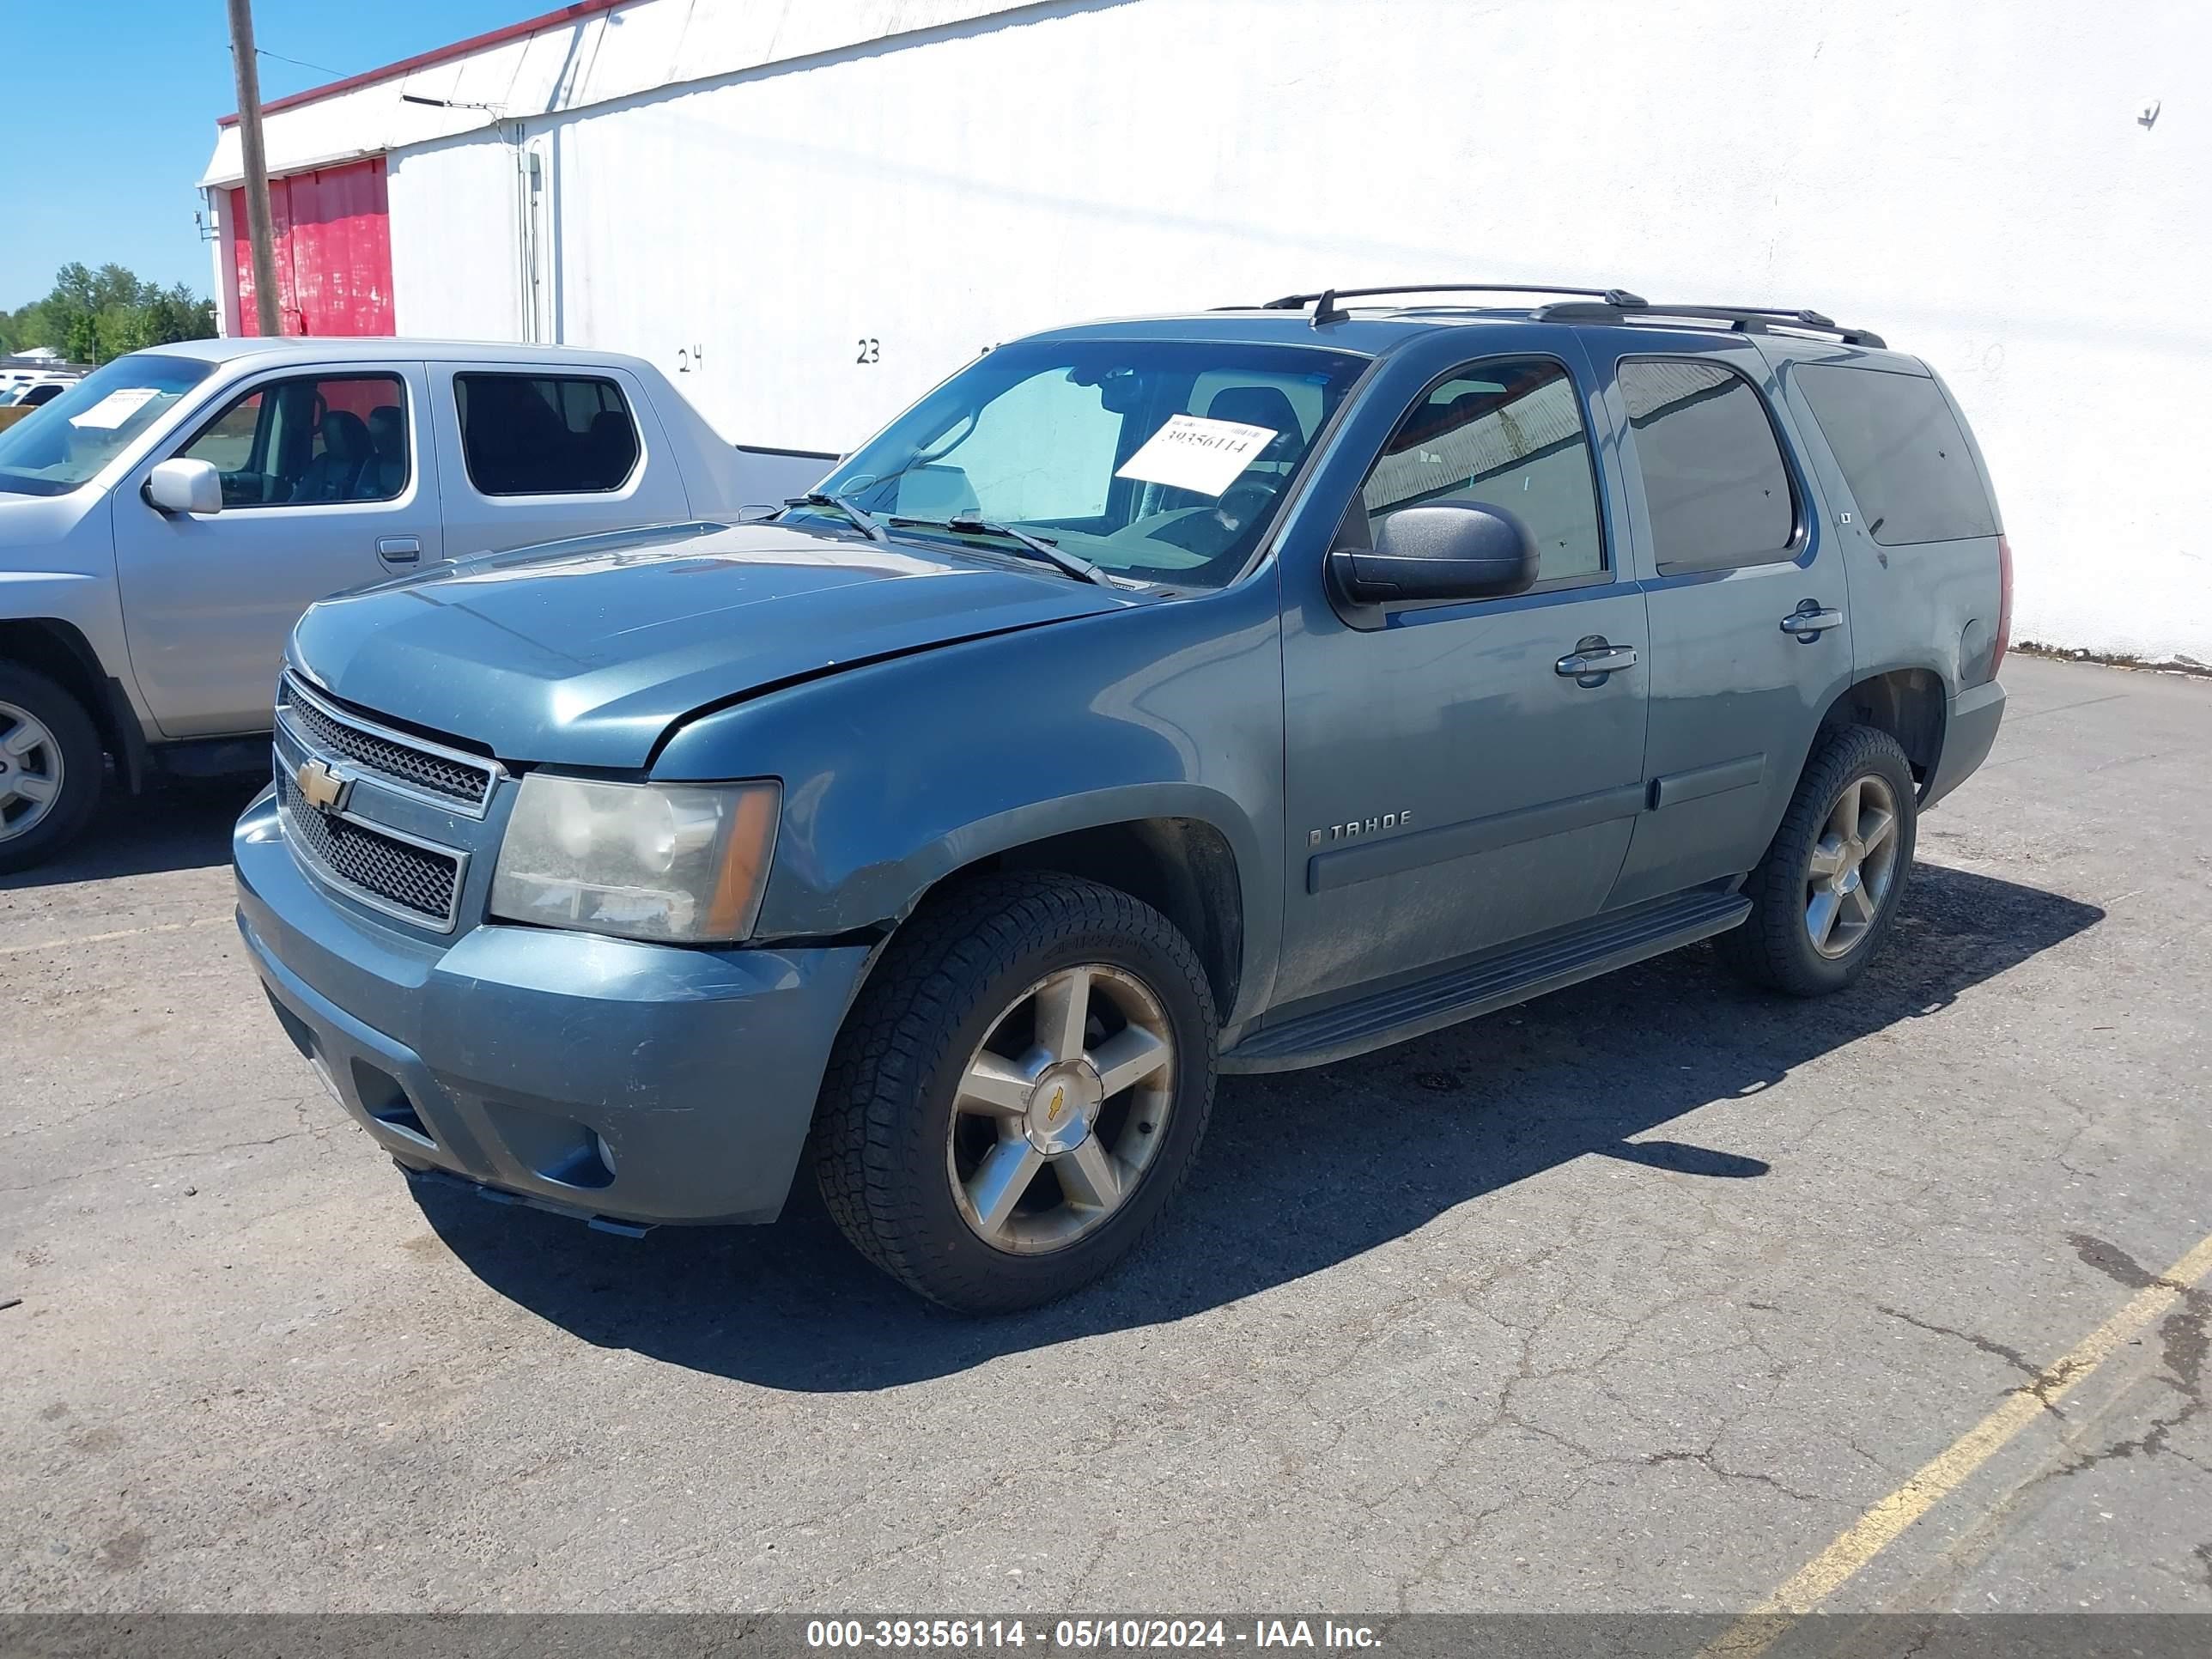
[680,861]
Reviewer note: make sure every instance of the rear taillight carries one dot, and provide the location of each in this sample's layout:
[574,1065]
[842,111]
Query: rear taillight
[2005,607]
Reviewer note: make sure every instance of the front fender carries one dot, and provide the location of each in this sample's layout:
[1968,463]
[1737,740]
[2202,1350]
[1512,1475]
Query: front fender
[898,773]
[58,575]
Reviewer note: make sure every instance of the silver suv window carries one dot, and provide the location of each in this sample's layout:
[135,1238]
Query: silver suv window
[70,439]
[311,440]
[545,434]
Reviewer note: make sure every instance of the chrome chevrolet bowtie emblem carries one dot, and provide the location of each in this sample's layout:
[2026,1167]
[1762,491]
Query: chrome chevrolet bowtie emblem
[321,788]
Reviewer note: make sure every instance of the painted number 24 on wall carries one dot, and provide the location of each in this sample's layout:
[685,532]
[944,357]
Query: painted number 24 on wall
[690,357]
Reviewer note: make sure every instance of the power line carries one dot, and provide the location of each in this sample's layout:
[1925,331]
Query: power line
[301,63]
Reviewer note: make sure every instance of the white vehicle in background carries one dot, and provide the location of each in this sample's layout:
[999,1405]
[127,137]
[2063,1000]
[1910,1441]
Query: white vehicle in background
[165,520]
[31,394]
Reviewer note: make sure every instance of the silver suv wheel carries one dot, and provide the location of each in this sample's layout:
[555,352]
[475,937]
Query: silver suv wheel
[31,768]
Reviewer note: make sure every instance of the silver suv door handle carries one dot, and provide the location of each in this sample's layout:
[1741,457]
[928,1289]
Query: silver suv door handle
[1810,620]
[399,549]
[1595,660]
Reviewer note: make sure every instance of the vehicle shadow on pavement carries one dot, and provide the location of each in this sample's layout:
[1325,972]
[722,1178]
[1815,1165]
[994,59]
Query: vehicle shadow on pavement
[178,824]
[1299,1171]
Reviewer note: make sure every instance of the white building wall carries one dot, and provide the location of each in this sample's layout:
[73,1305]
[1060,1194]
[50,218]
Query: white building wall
[1969,177]
[455,261]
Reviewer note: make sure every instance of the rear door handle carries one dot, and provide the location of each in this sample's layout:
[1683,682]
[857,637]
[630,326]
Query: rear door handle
[1810,620]
[399,549]
[1594,661]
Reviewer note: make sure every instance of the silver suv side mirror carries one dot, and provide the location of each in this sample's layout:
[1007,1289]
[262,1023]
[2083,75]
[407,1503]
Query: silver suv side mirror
[183,487]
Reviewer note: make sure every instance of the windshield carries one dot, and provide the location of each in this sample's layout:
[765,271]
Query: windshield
[53,451]
[1161,462]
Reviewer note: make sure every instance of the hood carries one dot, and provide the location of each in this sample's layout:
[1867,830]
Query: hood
[38,521]
[585,653]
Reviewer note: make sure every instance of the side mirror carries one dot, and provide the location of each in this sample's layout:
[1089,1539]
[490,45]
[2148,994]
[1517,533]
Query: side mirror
[1452,550]
[183,487]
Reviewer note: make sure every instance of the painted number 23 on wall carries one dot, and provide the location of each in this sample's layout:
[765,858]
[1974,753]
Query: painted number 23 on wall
[871,352]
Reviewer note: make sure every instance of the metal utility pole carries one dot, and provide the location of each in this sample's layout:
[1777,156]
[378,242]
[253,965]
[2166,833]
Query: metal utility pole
[247,65]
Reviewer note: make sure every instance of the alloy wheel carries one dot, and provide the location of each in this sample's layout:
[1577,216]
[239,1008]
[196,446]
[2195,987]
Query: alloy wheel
[1853,865]
[30,771]
[1062,1109]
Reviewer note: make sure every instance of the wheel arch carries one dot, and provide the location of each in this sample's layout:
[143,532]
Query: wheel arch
[1910,704]
[59,650]
[1183,862]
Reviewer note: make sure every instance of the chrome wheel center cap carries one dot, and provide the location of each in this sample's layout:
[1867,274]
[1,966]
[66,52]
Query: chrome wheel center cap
[1063,1103]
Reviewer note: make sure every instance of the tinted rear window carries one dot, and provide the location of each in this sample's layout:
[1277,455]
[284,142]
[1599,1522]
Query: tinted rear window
[1902,453]
[1714,480]
[545,434]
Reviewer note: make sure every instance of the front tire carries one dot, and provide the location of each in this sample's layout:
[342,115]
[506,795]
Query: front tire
[1018,1092]
[1824,897]
[51,767]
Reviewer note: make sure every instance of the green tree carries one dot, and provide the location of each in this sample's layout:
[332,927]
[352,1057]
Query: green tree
[81,344]
[91,316]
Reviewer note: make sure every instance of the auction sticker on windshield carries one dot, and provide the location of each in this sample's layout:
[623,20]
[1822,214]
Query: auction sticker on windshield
[1193,452]
[116,407]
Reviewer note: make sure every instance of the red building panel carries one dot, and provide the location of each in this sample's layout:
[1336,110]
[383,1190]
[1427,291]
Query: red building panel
[333,243]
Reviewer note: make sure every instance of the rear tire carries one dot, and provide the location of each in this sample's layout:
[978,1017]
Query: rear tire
[1824,897]
[51,768]
[1018,1091]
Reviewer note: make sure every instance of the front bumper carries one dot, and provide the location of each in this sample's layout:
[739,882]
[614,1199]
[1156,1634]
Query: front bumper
[1968,732]
[599,1077]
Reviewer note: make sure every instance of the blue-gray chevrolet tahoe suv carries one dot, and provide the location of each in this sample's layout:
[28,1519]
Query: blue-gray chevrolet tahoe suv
[1153,699]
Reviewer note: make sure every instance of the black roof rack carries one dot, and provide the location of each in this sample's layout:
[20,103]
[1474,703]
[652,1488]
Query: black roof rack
[1592,305]
[1745,319]
[1326,309]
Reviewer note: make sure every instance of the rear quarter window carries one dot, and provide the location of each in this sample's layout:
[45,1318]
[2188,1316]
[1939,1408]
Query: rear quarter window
[1902,453]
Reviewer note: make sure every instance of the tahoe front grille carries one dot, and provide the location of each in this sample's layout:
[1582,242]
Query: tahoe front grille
[444,775]
[417,883]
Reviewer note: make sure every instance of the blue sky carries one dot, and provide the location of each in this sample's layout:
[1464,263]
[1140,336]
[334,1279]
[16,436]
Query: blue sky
[102,166]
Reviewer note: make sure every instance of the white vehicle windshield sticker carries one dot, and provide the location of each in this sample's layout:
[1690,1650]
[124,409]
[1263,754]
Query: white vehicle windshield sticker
[116,407]
[1193,452]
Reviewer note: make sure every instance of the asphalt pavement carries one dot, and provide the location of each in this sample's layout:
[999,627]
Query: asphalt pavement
[1641,1296]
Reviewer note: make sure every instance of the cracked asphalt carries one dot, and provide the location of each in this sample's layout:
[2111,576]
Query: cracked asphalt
[1633,1299]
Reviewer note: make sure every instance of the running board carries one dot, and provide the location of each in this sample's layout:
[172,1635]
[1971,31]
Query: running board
[1489,983]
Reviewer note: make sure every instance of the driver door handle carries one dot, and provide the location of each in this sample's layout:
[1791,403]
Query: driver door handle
[399,549]
[1596,660]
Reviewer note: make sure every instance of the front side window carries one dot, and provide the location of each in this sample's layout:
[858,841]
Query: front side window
[315,440]
[1714,482]
[69,440]
[1161,462]
[1507,433]
[545,434]
[1902,453]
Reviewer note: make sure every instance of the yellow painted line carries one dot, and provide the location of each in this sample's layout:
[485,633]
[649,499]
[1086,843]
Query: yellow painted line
[1943,1474]
[102,938]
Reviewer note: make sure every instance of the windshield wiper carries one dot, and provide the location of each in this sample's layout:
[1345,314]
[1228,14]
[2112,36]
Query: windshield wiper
[861,518]
[968,524]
